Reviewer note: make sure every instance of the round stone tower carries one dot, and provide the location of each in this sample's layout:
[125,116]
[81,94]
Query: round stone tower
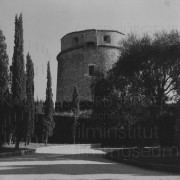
[81,53]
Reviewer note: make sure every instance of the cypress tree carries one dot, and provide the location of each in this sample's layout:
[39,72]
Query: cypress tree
[29,123]
[18,72]
[3,85]
[75,101]
[18,79]
[48,122]
[75,110]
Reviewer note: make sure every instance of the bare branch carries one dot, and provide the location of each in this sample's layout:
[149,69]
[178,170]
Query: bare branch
[169,85]
[169,91]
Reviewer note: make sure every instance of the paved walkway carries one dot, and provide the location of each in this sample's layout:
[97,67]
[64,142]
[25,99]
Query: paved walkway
[73,162]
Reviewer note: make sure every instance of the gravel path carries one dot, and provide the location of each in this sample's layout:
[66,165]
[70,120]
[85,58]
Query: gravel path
[73,162]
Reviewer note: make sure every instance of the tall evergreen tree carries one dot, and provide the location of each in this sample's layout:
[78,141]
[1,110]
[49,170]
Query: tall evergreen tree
[18,79]
[3,84]
[75,101]
[75,109]
[3,64]
[18,72]
[29,123]
[48,123]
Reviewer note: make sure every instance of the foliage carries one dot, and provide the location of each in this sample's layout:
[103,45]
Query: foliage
[49,109]
[3,65]
[18,79]
[75,101]
[4,91]
[18,73]
[149,66]
[30,106]
[136,90]
[75,110]
[39,106]
[166,125]
[102,99]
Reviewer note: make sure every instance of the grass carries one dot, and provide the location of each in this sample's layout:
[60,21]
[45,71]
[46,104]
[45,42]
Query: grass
[149,155]
[11,148]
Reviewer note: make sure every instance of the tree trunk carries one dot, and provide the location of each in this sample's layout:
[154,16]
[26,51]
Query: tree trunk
[74,133]
[46,141]
[74,130]
[28,140]
[17,143]
[9,138]
[160,102]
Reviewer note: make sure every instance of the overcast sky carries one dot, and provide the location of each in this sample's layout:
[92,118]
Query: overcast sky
[46,21]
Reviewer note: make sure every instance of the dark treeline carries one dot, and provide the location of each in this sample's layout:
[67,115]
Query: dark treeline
[4,88]
[18,107]
[141,92]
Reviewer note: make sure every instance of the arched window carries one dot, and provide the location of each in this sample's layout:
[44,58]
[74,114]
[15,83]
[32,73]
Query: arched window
[107,39]
[75,40]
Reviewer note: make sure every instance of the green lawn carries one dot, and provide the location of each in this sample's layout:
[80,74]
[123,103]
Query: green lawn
[148,155]
[10,148]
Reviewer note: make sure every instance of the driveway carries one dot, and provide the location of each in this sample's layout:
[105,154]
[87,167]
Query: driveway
[73,162]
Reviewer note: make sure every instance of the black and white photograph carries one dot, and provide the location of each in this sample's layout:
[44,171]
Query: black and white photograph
[89,89]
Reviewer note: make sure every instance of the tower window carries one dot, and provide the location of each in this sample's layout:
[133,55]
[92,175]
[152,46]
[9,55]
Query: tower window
[91,70]
[107,39]
[75,40]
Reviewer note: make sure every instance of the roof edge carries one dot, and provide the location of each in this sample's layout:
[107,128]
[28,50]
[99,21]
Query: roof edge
[74,32]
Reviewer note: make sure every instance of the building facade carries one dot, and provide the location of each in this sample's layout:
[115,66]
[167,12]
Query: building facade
[81,54]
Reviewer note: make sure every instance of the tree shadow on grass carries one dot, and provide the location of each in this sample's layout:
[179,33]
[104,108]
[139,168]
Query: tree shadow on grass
[10,149]
[72,164]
